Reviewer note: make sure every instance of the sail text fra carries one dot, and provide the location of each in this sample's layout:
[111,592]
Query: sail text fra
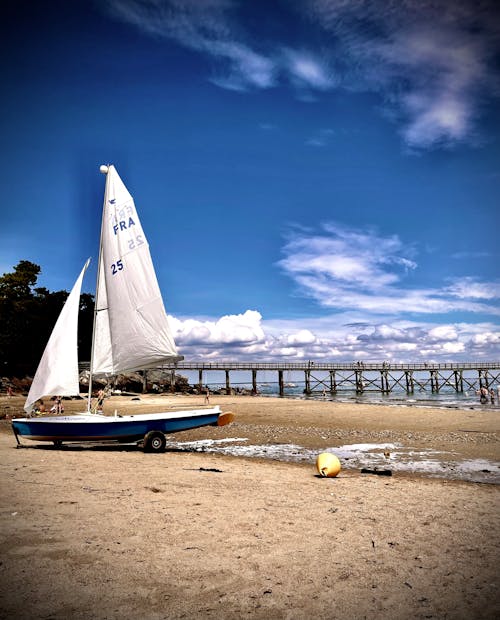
[123,225]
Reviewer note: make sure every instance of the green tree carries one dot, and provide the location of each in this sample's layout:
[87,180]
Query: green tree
[27,317]
[19,283]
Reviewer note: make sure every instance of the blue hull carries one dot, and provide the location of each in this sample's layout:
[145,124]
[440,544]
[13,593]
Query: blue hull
[118,429]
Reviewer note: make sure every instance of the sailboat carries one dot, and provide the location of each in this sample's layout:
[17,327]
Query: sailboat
[131,332]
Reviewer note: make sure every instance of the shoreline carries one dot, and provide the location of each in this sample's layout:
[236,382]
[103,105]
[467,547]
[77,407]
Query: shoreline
[356,400]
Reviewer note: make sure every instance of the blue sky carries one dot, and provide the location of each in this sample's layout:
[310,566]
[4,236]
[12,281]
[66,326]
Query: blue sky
[318,179]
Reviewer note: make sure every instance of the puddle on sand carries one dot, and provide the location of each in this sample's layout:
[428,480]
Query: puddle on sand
[395,457]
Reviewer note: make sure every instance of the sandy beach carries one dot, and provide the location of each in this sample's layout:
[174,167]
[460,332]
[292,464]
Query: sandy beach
[111,532]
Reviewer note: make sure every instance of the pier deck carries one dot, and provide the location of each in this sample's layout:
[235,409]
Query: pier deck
[329,377]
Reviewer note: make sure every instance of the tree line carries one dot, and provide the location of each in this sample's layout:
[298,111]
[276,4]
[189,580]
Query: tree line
[27,316]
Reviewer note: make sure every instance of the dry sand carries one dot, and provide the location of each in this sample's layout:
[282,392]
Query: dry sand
[111,532]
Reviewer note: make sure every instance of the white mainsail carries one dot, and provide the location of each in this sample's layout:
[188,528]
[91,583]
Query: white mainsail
[131,327]
[57,372]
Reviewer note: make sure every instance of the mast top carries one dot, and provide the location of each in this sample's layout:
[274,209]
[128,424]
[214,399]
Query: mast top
[104,169]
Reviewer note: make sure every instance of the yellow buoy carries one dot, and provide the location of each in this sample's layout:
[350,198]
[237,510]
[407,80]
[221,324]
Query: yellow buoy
[327,465]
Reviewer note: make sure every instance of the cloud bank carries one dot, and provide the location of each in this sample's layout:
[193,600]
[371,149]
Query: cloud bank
[433,64]
[333,338]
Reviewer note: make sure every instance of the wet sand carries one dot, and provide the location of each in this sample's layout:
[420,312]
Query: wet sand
[110,532]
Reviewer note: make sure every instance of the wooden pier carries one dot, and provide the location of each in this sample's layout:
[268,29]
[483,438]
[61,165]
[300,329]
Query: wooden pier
[384,377]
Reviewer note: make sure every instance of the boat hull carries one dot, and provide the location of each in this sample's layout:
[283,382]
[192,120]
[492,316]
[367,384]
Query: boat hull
[129,428]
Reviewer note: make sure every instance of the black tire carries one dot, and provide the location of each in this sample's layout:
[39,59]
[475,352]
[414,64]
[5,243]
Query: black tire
[155,442]
[57,443]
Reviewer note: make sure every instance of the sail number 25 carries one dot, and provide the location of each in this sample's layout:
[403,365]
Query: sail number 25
[135,243]
[116,267]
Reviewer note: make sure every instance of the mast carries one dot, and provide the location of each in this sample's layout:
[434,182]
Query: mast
[104,170]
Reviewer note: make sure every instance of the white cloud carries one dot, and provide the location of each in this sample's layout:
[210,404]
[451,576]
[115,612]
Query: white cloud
[469,288]
[248,335]
[405,346]
[362,270]
[246,68]
[432,63]
[289,352]
[243,330]
[307,71]
[302,337]
[445,70]
[387,332]
[453,347]
[207,27]
[486,338]
[354,258]
[189,22]
[443,333]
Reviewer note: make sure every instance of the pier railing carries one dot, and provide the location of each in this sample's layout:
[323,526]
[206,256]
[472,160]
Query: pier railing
[195,365]
[332,377]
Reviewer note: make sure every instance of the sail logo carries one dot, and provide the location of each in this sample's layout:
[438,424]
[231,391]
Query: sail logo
[123,225]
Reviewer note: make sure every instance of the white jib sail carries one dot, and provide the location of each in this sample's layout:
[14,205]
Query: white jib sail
[131,327]
[57,372]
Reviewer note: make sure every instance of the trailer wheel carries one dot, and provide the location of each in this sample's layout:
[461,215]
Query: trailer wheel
[154,441]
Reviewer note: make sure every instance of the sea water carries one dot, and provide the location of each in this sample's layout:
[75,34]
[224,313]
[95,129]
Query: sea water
[422,396]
